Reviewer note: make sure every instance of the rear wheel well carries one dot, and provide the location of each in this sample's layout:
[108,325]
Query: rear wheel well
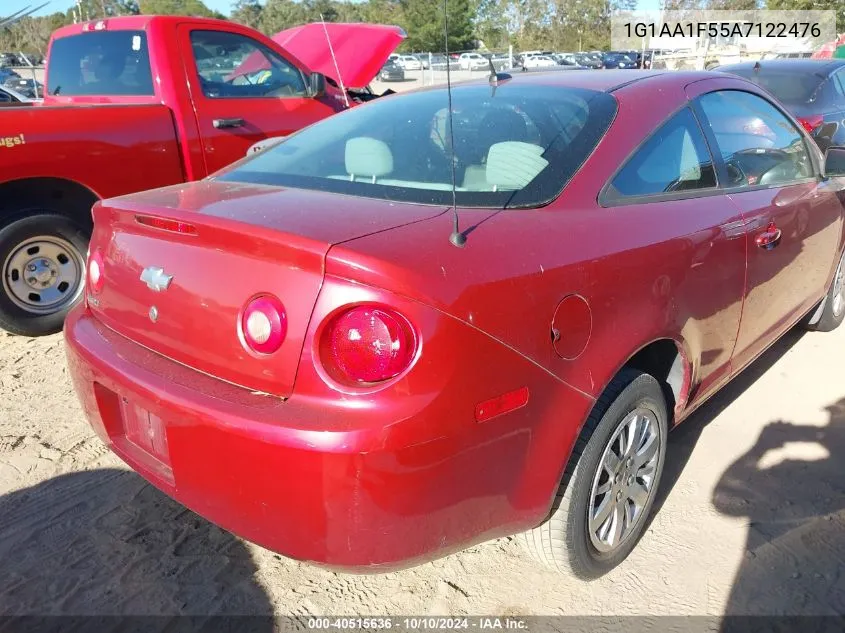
[20,197]
[664,360]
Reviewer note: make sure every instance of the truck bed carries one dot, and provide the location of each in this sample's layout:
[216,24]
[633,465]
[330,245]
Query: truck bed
[110,149]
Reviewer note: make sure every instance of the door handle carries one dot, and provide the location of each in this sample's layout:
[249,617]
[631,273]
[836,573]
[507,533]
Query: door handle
[228,123]
[769,238]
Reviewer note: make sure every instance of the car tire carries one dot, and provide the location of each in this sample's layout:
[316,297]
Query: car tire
[57,246]
[833,307]
[564,541]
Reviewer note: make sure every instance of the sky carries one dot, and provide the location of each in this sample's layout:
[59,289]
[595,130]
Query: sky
[7,7]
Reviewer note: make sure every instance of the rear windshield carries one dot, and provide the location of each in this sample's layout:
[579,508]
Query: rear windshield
[792,88]
[516,146]
[103,63]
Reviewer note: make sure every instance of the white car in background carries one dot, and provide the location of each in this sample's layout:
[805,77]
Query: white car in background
[469,61]
[409,62]
[538,61]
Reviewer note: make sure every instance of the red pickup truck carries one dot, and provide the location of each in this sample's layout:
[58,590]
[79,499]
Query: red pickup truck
[135,103]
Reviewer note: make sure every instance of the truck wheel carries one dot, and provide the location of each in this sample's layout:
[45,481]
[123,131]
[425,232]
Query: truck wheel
[833,312]
[609,485]
[43,271]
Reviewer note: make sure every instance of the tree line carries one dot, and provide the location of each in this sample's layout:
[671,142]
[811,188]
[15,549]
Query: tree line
[491,24]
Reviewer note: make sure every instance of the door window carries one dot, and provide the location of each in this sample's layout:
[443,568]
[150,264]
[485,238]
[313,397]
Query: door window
[674,159]
[233,66]
[759,145]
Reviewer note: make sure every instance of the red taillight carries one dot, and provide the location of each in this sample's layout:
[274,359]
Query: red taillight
[264,324]
[174,226]
[368,344]
[95,271]
[810,123]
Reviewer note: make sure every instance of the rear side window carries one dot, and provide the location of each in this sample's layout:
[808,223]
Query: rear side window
[102,63]
[674,159]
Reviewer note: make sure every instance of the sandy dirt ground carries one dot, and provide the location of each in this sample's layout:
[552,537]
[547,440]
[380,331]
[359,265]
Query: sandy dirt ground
[750,520]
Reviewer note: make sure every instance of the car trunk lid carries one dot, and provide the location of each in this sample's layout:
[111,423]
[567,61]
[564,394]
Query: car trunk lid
[235,242]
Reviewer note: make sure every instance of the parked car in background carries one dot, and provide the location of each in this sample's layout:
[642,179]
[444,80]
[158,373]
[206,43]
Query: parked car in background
[28,87]
[379,397]
[6,74]
[589,61]
[392,71]
[10,97]
[175,122]
[812,89]
[9,59]
[424,60]
[539,61]
[439,62]
[409,62]
[472,61]
[618,60]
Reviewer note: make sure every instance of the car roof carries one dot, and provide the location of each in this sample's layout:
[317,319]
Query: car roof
[821,67]
[604,81]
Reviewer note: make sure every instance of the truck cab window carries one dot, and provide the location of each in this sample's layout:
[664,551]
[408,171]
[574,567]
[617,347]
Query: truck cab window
[232,66]
[102,63]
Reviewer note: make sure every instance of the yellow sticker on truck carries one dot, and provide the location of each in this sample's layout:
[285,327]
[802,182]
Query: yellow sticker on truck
[12,141]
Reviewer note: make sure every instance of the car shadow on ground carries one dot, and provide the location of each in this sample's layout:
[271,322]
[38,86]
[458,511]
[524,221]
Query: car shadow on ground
[104,542]
[682,441]
[790,488]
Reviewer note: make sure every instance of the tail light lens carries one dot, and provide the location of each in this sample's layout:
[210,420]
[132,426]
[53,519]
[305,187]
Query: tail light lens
[95,271]
[810,123]
[264,324]
[368,345]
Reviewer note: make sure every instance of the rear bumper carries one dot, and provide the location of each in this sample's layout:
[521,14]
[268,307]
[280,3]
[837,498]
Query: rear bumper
[360,499]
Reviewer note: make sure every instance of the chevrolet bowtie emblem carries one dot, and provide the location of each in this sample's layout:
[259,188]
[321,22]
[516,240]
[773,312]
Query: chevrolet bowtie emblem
[155,278]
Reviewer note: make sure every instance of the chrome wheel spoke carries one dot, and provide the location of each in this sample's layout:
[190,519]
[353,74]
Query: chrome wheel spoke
[602,513]
[638,493]
[646,452]
[617,526]
[611,462]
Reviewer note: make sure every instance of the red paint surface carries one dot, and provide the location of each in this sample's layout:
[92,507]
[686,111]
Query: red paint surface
[394,473]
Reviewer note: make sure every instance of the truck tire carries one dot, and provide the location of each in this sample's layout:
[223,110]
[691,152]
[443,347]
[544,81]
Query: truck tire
[42,264]
[833,308]
[580,536]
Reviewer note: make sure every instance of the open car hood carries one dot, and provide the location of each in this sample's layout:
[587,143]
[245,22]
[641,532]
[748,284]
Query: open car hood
[361,49]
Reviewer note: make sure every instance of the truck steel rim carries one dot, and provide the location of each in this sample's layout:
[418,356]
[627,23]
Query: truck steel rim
[43,274]
[624,481]
[839,288]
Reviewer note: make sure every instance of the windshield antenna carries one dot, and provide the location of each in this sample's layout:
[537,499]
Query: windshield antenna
[334,59]
[456,238]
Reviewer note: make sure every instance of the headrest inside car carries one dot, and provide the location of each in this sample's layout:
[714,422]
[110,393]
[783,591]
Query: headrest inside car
[368,157]
[511,165]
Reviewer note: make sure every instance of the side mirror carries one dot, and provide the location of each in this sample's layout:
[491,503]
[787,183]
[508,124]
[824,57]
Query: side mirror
[316,85]
[834,162]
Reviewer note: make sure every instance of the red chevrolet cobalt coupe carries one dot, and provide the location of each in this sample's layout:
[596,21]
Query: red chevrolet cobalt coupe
[306,350]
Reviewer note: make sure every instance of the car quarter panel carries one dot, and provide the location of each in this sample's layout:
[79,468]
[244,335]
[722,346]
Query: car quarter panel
[651,271]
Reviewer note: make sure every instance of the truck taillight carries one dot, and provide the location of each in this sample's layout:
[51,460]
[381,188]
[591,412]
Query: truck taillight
[263,324]
[95,271]
[367,344]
